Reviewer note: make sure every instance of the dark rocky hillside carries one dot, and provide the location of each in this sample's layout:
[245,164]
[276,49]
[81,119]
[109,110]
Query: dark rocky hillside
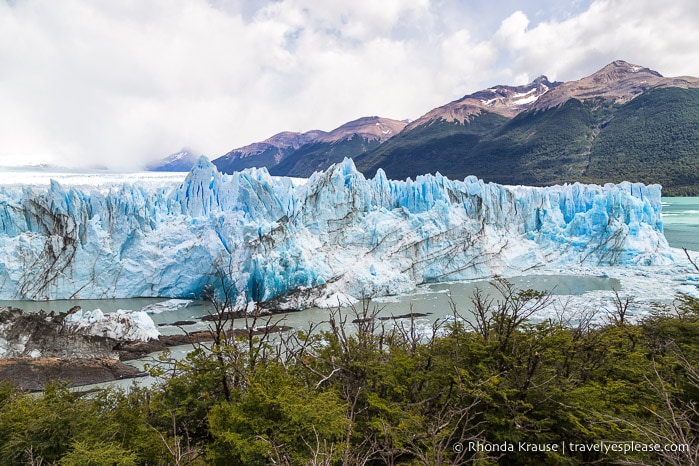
[609,127]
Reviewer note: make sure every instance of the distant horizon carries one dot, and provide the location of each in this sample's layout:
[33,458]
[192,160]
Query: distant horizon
[122,85]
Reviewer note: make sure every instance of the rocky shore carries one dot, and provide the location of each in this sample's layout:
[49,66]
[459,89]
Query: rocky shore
[32,374]
[129,350]
[83,348]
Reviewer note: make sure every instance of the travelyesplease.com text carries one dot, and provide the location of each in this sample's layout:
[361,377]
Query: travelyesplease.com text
[603,446]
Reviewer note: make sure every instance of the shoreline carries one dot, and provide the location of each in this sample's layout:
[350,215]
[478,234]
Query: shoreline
[646,284]
[34,374]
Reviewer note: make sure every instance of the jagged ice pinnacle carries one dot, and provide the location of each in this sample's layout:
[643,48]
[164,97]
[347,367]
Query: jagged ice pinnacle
[337,234]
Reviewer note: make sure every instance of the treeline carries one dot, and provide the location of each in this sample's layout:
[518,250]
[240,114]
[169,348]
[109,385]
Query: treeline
[488,387]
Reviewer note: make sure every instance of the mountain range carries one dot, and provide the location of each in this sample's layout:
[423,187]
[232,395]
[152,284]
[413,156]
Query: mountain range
[622,123]
[300,154]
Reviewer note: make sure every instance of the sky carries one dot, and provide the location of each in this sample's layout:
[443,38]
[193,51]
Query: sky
[118,84]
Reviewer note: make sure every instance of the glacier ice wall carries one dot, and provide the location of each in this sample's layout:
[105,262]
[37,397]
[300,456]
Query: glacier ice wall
[337,233]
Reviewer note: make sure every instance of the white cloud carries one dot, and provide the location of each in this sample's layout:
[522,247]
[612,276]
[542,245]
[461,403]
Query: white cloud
[513,30]
[120,83]
[659,36]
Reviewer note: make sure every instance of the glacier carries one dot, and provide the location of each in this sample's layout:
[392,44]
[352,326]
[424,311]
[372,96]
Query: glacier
[292,244]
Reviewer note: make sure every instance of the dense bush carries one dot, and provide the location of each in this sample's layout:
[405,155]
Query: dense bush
[369,393]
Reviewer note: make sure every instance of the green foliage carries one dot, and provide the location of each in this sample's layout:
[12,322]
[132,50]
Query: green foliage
[275,417]
[45,426]
[537,147]
[366,393]
[59,423]
[193,386]
[98,454]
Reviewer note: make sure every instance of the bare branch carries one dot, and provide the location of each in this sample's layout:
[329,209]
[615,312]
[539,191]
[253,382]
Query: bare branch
[690,259]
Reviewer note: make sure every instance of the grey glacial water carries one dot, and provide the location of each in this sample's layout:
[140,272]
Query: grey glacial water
[681,222]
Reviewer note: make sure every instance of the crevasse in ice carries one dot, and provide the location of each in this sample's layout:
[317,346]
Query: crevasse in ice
[336,234]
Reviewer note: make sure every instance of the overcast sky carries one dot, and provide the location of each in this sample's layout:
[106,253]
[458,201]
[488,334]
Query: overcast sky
[120,83]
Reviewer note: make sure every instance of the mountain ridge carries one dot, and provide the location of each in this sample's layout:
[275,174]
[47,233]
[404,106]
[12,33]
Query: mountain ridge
[592,130]
[540,133]
[272,151]
[619,80]
[504,100]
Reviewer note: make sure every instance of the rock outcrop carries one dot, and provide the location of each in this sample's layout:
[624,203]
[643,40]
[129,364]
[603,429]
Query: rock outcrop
[34,335]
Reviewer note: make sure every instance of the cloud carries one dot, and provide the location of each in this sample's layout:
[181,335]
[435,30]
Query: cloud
[122,83]
[642,32]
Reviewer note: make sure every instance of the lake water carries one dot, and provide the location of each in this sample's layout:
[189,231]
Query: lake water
[433,301]
[681,222]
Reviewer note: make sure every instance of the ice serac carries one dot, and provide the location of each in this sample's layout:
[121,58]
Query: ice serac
[337,234]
